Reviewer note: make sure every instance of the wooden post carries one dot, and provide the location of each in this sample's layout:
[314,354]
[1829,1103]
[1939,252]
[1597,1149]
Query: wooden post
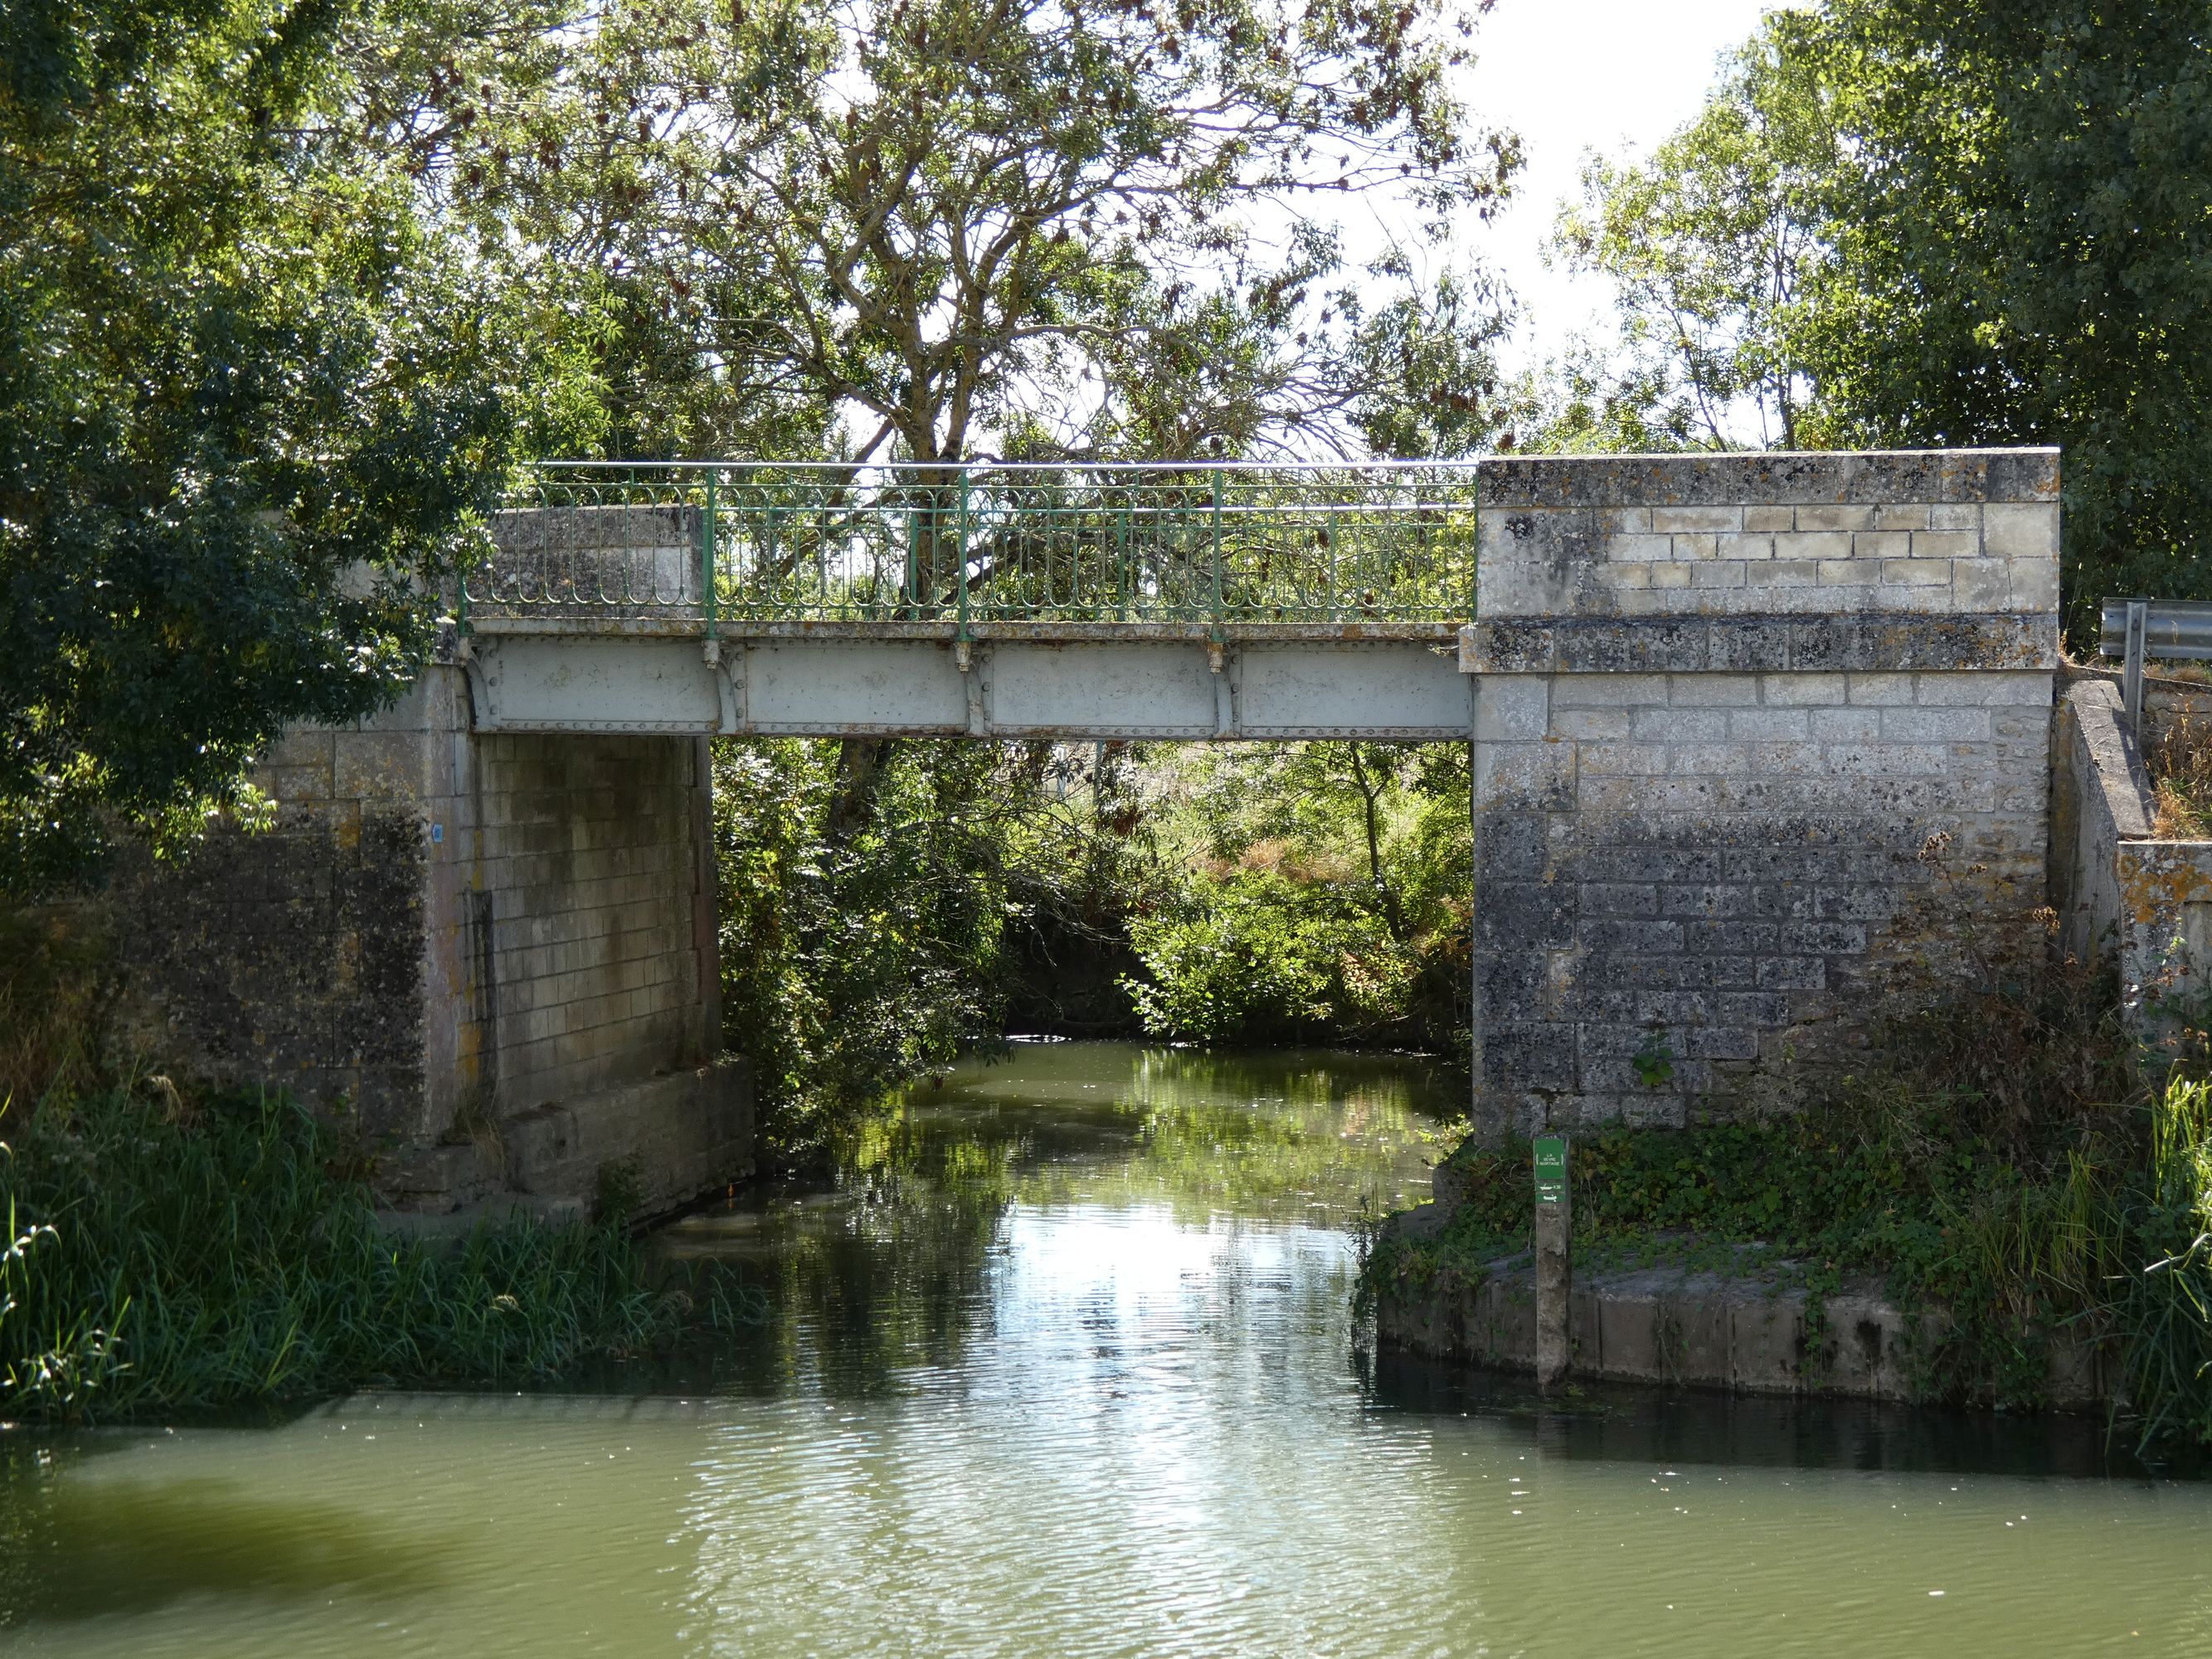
[1554,1280]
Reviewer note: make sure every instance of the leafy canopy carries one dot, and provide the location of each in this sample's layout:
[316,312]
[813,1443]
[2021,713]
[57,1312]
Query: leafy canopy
[1019,225]
[1942,224]
[246,405]
[2022,253]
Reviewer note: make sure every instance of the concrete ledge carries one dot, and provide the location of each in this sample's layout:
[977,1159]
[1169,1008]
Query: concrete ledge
[2109,763]
[683,1136]
[492,619]
[2115,888]
[1747,1334]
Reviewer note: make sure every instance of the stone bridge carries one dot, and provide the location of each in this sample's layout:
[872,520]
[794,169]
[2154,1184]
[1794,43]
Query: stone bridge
[1742,725]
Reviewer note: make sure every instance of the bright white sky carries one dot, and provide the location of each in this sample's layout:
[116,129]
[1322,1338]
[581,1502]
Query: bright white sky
[1573,75]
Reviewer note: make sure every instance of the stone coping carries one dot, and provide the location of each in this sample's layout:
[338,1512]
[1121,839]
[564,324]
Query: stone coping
[1772,477]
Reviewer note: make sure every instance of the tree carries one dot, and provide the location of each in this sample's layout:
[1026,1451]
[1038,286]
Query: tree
[246,410]
[974,224]
[2021,252]
[1709,243]
[1322,895]
[1953,223]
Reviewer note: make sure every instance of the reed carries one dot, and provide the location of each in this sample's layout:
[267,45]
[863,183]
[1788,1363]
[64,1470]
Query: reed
[159,1261]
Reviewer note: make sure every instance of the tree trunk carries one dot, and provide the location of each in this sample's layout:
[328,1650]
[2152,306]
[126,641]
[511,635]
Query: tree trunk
[1372,796]
[860,763]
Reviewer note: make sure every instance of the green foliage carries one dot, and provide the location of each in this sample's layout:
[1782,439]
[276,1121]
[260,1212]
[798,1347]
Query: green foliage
[249,401]
[1711,244]
[1970,222]
[1030,229]
[1588,401]
[2163,1306]
[1298,893]
[854,962]
[154,1264]
[1321,896]
[2019,239]
[1653,1060]
[1266,956]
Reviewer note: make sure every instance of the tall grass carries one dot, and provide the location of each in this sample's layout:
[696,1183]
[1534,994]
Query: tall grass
[2109,1243]
[2163,1309]
[54,988]
[2178,758]
[155,1261]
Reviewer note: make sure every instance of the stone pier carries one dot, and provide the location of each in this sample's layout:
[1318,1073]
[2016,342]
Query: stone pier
[492,954]
[1748,728]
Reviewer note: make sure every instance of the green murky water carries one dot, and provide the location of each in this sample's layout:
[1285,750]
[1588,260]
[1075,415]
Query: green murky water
[1065,1367]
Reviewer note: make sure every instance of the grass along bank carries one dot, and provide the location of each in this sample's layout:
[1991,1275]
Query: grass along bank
[1995,1160]
[159,1259]
[2109,1244]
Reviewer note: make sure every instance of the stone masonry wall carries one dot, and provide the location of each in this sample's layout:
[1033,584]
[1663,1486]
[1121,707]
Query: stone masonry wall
[293,957]
[445,931]
[1741,719]
[305,957]
[584,905]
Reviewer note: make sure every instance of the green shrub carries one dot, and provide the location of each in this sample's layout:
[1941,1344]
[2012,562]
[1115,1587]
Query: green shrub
[155,1261]
[1257,956]
[2111,1240]
[1320,893]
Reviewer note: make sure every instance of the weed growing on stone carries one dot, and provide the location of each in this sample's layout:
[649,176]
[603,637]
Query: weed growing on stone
[2178,758]
[2063,1201]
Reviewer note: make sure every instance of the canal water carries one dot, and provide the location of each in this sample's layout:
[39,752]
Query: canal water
[1064,1365]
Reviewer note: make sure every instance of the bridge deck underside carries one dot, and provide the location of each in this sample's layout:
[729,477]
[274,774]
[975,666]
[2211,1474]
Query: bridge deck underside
[1141,684]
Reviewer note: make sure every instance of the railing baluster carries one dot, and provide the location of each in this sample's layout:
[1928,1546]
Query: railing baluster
[1319,544]
[960,550]
[707,597]
[1215,627]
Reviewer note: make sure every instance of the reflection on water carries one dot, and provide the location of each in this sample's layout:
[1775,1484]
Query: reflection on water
[91,1547]
[1063,1365]
[903,1265]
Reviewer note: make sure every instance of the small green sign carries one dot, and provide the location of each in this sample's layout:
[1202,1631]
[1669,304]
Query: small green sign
[1551,1169]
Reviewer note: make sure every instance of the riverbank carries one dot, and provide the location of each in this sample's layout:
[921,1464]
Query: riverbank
[1885,1245]
[163,1257]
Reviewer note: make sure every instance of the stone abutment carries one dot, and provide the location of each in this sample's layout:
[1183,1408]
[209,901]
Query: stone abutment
[1750,731]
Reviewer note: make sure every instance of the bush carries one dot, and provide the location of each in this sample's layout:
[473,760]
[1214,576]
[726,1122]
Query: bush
[1259,957]
[158,1260]
[1322,895]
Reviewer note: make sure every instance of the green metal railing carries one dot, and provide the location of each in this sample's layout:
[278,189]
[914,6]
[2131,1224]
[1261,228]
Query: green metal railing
[726,544]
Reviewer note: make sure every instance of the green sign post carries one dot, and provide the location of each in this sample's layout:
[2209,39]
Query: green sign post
[1551,1169]
[1554,1348]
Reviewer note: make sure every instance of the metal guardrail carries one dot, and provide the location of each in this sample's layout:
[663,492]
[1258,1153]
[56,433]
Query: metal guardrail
[2134,629]
[1212,544]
